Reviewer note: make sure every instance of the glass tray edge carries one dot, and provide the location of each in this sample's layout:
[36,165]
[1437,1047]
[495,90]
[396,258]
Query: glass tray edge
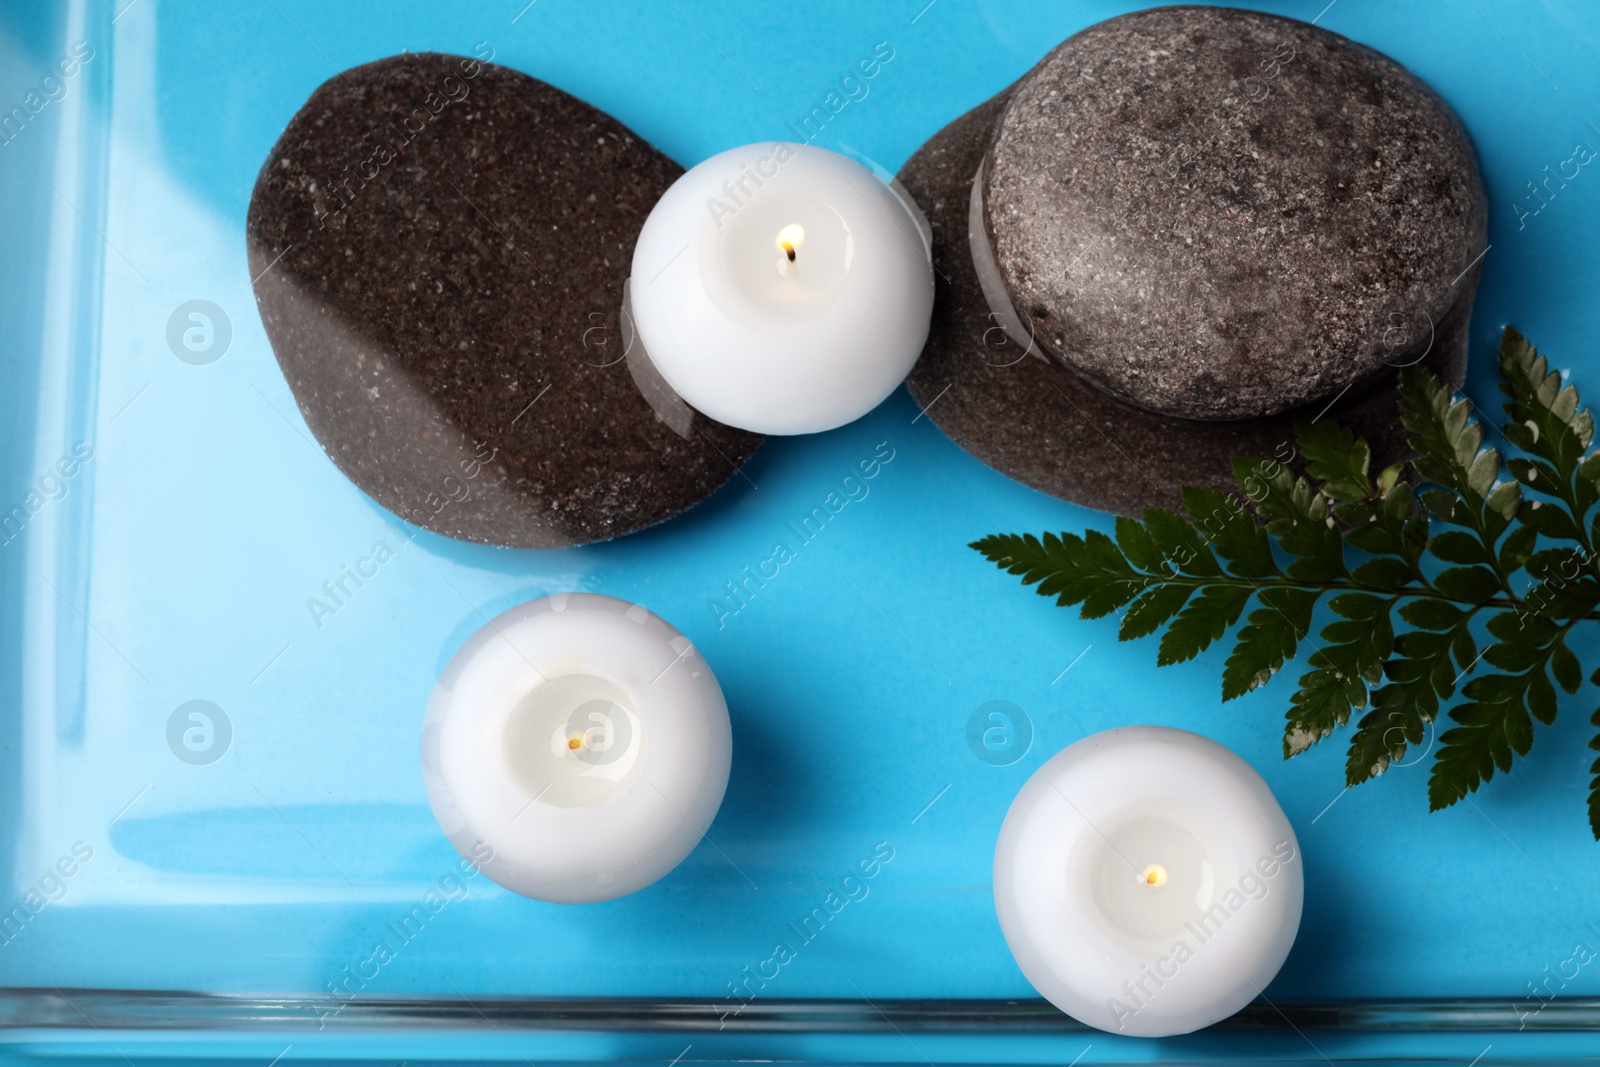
[135,1010]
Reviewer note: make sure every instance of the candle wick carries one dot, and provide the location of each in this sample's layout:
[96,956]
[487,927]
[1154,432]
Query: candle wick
[788,250]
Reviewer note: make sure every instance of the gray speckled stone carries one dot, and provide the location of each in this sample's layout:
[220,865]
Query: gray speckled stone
[1220,214]
[439,247]
[1041,423]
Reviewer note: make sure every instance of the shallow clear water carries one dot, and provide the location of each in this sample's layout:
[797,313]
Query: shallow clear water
[176,563]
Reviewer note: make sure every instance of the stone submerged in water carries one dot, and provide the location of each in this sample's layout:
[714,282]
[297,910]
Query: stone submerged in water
[1040,422]
[1222,214]
[439,246]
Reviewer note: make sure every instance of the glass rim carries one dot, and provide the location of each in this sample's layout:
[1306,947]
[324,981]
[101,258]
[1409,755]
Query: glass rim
[121,1009]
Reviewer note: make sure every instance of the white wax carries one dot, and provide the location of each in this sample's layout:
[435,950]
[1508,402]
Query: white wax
[782,288]
[579,742]
[1147,881]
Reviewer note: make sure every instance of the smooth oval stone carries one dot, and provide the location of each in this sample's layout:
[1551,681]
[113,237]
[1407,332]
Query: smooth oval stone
[1221,214]
[439,247]
[1040,422]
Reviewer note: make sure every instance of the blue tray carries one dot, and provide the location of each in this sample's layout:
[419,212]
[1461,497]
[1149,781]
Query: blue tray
[176,562]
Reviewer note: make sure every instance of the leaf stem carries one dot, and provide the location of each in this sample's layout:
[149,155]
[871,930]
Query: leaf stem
[1350,585]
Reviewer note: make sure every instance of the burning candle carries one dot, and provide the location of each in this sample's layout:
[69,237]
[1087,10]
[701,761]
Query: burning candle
[583,740]
[782,288]
[1147,881]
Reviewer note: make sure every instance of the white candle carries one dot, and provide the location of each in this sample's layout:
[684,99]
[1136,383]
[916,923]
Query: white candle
[1147,881]
[782,288]
[579,742]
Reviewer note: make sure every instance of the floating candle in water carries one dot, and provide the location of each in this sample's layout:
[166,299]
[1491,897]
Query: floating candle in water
[583,740]
[782,288]
[1147,881]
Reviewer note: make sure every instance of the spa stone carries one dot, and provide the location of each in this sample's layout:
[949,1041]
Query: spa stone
[1223,214]
[439,247]
[1041,423]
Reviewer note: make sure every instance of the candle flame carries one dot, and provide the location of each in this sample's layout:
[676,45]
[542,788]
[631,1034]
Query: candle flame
[790,238]
[1154,875]
[574,743]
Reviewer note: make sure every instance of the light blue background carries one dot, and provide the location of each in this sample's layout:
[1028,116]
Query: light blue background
[192,540]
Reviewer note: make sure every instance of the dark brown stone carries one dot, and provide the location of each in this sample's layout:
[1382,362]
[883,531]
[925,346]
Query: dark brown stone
[1221,214]
[439,247]
[1040,423]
